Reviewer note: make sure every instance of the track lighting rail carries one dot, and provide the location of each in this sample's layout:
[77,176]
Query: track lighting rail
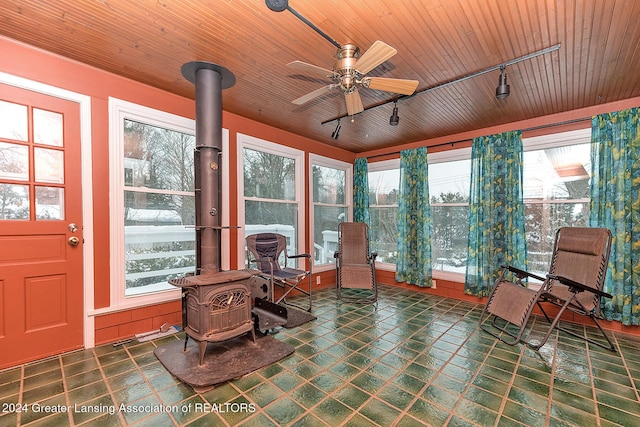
[456,80]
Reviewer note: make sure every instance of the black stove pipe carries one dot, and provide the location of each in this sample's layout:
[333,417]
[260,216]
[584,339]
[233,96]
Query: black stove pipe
[209,79]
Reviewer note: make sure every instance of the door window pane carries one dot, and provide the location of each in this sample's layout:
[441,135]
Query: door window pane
[14,201]
[14,121]
[14,161]
[49,203]
[47,127]
[49,165]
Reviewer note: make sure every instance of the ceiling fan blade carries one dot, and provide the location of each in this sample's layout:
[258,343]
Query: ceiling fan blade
[354,102]
[374,56]
[316,93]
[303,66]
[402,86]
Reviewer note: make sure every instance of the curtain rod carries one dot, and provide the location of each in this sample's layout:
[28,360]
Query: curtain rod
[442,144]
[456,80]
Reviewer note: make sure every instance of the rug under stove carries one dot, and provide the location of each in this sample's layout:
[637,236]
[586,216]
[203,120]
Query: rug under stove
[223,361]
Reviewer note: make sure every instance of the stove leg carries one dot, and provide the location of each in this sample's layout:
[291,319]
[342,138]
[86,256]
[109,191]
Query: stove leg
[186,339]
[202,347]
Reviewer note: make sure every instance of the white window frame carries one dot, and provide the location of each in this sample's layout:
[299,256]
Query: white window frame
[257,144]
[317,160]
[119,110]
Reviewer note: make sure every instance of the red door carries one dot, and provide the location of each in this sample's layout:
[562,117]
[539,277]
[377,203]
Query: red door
[41,289]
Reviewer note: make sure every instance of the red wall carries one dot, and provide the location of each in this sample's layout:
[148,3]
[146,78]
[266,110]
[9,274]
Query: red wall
[24,61]
[44,67]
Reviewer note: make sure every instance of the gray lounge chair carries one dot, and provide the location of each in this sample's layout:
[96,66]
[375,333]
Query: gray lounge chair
[355,265]
[574,283]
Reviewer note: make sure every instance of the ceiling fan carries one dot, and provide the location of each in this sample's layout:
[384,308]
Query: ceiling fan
[349,74]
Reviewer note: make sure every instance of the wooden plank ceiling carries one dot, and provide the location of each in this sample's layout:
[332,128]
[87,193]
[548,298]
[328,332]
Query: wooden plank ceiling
[437,41]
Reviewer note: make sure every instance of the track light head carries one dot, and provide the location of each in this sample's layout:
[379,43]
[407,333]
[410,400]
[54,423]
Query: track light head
[394,119]
[336,132]
[503,90]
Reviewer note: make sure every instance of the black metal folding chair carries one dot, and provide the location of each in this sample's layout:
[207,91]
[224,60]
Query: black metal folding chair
[264,251]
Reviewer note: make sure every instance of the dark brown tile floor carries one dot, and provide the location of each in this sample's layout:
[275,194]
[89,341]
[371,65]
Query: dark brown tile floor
[410,360]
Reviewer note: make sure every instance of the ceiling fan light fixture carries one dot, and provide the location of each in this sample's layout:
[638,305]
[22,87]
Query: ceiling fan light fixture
[394,119]
[503,90]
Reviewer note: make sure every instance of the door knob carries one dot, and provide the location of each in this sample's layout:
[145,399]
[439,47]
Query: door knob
[74,241]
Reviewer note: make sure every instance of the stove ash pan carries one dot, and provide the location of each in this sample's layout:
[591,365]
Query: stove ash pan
[218,307]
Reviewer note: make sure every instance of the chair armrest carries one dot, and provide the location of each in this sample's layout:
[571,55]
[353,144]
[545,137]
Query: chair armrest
[263,259]
[300,256]
[374,255]
[521,273]
[579,287]
[336,254]
[257,260]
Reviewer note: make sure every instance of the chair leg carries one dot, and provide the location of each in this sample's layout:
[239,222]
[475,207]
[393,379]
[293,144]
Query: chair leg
[503,329]
[611,347]
[553,322]
[283,298]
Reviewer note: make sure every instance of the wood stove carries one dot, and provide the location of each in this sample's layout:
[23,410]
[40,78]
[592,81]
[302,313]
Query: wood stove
[216,304]
[216,307]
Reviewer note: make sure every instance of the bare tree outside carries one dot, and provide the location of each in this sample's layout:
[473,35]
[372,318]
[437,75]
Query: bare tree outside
[159,203]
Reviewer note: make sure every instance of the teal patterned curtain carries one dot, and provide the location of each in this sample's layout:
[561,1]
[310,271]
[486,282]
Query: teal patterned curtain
[615,204]
[361,191]
[496,210]
[414,220]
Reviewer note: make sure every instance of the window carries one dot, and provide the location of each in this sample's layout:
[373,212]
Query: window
[152,203]
[272,191]
[449,181]
[331,190]
[31,164]
[556,173]
[384,183]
